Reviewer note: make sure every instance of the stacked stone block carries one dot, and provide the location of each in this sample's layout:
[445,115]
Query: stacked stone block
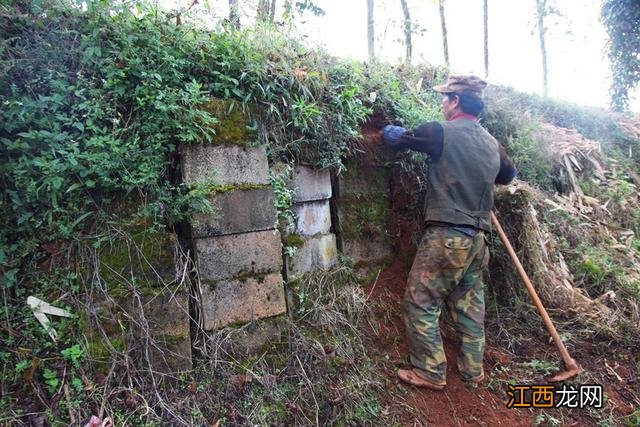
[315,243]
[363,214]
[142,301]
[238,251]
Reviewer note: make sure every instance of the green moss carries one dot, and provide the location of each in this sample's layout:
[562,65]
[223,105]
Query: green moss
[294,240]
[365,216]
[146,259]
[100,352]
[120,289]
[242,277]
[216,189]
[362,180]
[234,126]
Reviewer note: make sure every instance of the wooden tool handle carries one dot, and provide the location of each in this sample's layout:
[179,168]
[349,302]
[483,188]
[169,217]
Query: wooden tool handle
[568,360]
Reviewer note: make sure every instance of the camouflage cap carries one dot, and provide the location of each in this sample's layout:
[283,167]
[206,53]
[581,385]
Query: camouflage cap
[460,83]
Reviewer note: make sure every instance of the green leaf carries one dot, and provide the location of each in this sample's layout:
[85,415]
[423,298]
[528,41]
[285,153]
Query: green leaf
[73,187]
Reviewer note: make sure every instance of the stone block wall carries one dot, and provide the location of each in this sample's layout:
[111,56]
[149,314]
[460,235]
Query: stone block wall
[363,213]
[238,251]
[314,242]
[142,301]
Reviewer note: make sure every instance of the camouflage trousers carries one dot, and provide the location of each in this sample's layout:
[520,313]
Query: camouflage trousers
[447,269]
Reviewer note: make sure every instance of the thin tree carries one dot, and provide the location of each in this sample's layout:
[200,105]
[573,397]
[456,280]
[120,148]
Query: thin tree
[234,14]
[272,11]
[407,31]
[621,18]
[443,24]
[486,38]
[541,11]
[262,14]
[370,33]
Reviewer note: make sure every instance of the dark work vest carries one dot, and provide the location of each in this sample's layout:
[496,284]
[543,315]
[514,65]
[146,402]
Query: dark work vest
[460,189]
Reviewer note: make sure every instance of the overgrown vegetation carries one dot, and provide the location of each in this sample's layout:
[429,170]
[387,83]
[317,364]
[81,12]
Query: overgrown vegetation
[94,106]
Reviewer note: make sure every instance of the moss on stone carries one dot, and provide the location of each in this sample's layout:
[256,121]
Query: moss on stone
[294,240]
[146,259]
[364,180]
[217,189]
[100,352]
[234,126]
[241,277]
[361,217]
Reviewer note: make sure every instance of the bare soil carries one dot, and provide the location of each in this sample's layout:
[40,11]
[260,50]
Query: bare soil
[462,405]
[613,365]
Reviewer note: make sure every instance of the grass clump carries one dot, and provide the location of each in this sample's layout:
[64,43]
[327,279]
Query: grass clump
[314,372]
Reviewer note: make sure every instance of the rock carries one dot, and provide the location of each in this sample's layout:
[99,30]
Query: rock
[311,184]
[316,253]
[238,211]
[236,255]
[249,339]
[171,353]
[149,256]
[313,218]
[242,300]
[224,164]
[364,180]
[368,249]
[167,313]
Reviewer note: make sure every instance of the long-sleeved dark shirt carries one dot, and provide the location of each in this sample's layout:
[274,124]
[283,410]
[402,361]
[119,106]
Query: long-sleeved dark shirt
[429,138]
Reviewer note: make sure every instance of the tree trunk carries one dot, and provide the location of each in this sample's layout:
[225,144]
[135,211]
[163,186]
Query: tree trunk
[407,31]
[234,14]
[272,11]
[370,34]
[541,7]
[445,43]
[262,14]
[486,39]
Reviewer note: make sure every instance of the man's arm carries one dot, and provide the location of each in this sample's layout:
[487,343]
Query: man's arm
[508,170]
[427,138]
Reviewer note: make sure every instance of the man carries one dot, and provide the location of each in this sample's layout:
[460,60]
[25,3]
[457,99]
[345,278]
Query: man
[464,163]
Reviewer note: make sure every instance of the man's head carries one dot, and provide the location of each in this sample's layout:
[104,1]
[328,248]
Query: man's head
[462,94]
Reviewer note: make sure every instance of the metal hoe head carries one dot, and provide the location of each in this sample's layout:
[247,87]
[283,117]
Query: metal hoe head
[573,369]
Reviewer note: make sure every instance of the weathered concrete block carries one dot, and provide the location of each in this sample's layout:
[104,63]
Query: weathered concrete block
[238,211]
[363,180]
[242,300]
[313,218]
[249,339]
[368,215]
[225,164]
[236,255]
[167,313]
[171,353]
[310,184]
[150,257]
[316,253]
[368,249]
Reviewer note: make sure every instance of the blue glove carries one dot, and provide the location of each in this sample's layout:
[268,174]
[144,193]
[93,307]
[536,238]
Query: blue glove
[392,134]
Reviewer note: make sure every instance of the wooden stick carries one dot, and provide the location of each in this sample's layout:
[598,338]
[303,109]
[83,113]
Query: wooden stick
[568,360]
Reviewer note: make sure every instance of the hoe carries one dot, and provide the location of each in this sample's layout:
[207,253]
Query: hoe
[573,368]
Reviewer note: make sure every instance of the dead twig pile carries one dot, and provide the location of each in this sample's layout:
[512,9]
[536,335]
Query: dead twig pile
[571,238]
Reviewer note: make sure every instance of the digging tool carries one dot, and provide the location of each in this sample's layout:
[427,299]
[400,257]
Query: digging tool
[573,368]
